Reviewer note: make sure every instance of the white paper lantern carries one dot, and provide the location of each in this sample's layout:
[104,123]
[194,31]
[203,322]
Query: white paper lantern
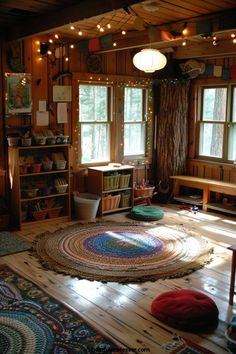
[149,60]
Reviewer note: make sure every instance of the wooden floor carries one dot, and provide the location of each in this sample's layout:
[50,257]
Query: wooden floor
[123,311]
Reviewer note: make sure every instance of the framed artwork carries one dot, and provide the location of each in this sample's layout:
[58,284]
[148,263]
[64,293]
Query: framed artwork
[18,93]
[62,93]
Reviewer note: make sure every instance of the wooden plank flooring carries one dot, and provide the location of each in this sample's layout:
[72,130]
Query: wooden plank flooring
[123,311]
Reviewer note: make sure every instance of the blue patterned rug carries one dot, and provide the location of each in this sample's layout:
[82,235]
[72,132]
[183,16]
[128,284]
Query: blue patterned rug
[33,322]
[10,243]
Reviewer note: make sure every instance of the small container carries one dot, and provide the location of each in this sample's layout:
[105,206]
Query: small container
[54,212]
[111,202]
[47,165]
[13,141]
[23,169]
[62,139]
[41,140]
[38,215]
[61,188]
[26,141]
[29,193]
[60,164]
[51,140]
[36,167]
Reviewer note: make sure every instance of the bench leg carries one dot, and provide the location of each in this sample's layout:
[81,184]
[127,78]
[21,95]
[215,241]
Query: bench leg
[232,279]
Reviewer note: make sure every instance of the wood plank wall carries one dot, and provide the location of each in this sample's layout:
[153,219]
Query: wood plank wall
[45,74]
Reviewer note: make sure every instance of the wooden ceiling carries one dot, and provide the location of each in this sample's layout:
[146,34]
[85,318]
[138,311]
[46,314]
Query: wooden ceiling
[143,21]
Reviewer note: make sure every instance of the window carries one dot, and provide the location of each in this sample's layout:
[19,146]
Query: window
[134,121]
[94,120]
[217,123]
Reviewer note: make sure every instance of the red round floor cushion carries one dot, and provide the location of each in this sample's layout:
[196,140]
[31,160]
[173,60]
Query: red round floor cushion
[187,310]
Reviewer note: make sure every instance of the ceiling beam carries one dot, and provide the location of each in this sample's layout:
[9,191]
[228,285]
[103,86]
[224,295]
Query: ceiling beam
[224,48]
[84,9]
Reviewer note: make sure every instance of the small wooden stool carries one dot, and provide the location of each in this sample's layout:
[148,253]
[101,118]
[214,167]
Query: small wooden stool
[232,291]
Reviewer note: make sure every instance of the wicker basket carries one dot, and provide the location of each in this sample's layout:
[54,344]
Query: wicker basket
[111,202]
[111,182]
[54,212]
[145,192]
[125,200]
[62,188]
[60,164]
[38,215]
[124,181]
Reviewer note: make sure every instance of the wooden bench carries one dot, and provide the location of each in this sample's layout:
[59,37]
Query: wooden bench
[207,186]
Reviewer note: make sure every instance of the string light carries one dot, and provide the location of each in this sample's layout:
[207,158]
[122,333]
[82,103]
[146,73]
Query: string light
[108,25]
[72,28]
[56,36]
[101,29]
[98,26]
[72,46]
[185,29]
[50,41]
[80,33]
[114,44]
[184,43]
[123,32]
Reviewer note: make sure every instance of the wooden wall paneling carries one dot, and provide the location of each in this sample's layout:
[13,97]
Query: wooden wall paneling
[229,174]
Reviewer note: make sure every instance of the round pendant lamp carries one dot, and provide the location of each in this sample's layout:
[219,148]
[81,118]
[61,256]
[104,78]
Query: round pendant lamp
[149,60]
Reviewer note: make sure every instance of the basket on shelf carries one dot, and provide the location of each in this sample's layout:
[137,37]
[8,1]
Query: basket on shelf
[110,202]
[38,214]
[111,182]
[61,188]
[26,141]
[144,192]
[60,164]
[36,167]
[125,200]
[124,181]
[29,193]
[47,165]
[54,212]
[13,141]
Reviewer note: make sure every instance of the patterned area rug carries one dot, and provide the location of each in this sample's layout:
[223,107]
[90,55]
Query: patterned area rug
[11,243]
[123,252]
[180,345]
[32,322]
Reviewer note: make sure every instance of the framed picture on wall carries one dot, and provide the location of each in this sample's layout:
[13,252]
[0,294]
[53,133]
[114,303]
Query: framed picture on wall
[18,93]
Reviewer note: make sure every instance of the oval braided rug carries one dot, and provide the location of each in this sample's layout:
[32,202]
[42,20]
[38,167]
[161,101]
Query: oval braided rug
[123,252]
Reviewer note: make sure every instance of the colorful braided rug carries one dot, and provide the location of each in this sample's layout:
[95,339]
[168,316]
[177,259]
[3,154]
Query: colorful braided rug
[123,252]
[33,322]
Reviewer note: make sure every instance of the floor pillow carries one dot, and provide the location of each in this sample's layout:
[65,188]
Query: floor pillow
[187,310]
[146,213]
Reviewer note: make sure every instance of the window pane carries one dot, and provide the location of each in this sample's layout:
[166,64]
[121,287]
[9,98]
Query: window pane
[234,105]
[134,139]
[214,104]
[133,104]
[232,143]
[211,139]
[94,143]
[93,103]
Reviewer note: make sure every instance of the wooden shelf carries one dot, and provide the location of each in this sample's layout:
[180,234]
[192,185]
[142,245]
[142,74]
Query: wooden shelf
[21,206]
[96,185]
[193,200]
[230,209]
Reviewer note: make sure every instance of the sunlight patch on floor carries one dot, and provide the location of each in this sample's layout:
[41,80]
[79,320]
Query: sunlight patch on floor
[219,231]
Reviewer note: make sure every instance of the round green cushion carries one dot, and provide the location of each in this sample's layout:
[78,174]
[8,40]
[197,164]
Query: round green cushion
[146,212]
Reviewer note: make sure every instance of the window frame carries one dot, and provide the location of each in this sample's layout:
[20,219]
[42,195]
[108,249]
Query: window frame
[107,122]
[142,122]
[117,83]
[227,123]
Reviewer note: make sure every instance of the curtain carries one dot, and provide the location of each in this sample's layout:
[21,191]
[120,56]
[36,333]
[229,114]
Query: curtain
[171,148]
